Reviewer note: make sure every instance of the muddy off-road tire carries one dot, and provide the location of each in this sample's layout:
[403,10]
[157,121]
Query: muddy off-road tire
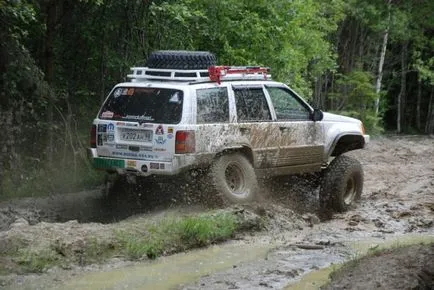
[233,177]
[186,60]
[116,185]
[342,184]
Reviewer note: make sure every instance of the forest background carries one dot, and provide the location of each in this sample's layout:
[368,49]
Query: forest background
[371,59]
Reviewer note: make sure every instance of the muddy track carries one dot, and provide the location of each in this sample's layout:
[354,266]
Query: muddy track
[398,200]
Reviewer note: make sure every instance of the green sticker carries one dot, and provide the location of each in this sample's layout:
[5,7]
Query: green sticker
[108,163]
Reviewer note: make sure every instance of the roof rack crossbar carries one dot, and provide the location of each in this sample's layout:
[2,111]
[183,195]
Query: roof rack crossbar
[142,73]
[213,73]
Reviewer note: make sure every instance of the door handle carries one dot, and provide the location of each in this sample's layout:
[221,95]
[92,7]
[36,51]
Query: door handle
[282,129]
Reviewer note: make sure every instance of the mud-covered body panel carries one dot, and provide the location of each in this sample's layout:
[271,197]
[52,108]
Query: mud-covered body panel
[139,144]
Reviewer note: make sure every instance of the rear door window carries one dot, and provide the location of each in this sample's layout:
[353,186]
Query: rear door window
[251,105]
[212,105]
[151,105]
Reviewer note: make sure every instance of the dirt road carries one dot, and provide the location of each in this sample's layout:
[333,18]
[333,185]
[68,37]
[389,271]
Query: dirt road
[397,202]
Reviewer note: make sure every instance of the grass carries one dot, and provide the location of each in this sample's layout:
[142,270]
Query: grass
[177,234]
[37,261]
[135,241]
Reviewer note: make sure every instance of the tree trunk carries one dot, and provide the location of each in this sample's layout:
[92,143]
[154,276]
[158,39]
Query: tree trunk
[402,92]
[317,94]
[381,62]
[429,126]
[49,71]
[419,99]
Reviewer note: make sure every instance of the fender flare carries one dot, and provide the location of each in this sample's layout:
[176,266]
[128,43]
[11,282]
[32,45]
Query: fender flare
[355,140]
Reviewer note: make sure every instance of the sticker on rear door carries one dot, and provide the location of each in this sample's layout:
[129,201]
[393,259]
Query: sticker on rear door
[169,133]
[159,132]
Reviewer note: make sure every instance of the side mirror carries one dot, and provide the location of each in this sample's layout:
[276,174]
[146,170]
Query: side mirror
[317,115]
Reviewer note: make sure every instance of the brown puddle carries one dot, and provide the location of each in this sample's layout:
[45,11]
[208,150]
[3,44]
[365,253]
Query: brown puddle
[170,272]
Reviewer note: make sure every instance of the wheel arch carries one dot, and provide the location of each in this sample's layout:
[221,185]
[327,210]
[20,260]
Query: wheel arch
[245,150]
[346,142]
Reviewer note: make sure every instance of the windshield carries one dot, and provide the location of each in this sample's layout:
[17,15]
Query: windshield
[151,105]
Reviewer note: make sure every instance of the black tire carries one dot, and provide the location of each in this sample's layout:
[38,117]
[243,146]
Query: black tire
[234,178]
[177,59]
[114,185]
[342,184]
[118,186]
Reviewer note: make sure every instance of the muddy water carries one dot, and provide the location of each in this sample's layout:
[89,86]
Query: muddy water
[239,265]
[170,272]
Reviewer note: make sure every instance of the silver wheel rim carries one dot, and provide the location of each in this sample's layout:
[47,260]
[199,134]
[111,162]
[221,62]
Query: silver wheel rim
[235,179]
[350,191]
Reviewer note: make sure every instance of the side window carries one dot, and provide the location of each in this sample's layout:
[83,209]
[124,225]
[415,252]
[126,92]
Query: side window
[251,105]
[212,105]
[287,106]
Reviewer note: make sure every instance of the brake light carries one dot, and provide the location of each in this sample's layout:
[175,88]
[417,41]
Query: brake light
[93,137]
[185,142]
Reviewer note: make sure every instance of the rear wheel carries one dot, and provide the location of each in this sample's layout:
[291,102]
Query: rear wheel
[116,185]
[342,184]
[234,178]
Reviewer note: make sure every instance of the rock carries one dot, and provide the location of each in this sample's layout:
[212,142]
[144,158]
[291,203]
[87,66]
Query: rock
[309,246]
[424,222]
[265,284]
[400,214]
[378,223]
[18,223]
[311,219]
[386,231]
[353,223]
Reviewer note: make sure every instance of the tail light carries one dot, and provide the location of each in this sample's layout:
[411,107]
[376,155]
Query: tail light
[185,142]
[93,137]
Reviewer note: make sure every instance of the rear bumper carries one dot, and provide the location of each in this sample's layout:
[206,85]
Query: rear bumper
[179,164]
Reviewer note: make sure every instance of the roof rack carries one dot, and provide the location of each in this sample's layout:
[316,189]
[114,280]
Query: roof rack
[214,74]
[146,73]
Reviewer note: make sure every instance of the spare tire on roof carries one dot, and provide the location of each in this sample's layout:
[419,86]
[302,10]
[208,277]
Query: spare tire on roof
[180,59]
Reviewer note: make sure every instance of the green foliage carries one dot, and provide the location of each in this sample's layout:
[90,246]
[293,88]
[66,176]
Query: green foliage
[37,261]
[175,234]
[204,230]
[355,97]
[246,33]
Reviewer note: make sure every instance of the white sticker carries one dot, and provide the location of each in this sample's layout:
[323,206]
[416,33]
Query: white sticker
[118,92]
[107,114]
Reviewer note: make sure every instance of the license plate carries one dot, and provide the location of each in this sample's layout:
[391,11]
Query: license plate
[136,135]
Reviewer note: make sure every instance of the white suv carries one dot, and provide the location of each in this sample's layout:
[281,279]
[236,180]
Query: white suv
[181,113]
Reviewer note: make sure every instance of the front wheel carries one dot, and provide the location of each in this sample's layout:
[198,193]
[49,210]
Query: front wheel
[233,176]
[342,184]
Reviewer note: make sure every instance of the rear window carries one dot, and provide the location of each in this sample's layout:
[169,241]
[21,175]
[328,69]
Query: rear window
[150,105]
